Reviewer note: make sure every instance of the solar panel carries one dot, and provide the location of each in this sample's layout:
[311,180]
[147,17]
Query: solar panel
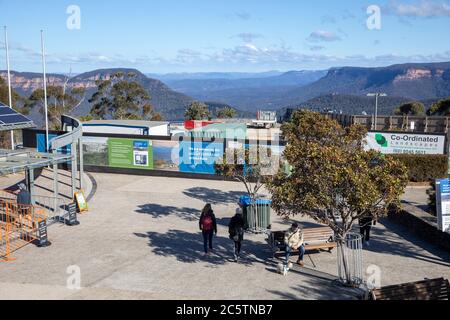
[6,111]
[10,118]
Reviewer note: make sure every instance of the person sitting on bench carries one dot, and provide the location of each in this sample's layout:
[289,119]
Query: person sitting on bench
[294,241]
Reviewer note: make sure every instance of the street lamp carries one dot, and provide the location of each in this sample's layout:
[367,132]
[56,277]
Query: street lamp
[376,95]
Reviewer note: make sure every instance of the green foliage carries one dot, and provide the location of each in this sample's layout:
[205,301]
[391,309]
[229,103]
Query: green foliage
[411,109]
[440,108]
[59,102]
[197,111]
[122,97]
[333,179]
[251,167]
[424,168]
[226,113]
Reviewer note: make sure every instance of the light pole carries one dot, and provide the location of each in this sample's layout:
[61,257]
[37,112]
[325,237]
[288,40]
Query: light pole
[9,81]
[376,95]
[45,92]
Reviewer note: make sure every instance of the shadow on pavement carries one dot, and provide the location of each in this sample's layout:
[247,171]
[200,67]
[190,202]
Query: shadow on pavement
[188,248]
[213,196]
[316,285]
[159,211]
[390,241]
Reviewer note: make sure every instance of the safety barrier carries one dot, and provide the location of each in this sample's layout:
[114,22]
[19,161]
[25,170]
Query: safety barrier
[7,195]
[18,227]
[55,208]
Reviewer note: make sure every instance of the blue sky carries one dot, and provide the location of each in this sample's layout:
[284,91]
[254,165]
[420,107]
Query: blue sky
[162,36]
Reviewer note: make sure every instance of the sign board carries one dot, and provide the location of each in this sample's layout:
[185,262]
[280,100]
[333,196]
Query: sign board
[443,204]
[405,143]
[81,202]
[72,209]
[42,233]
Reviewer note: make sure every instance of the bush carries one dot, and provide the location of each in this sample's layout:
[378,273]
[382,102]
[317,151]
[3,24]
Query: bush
[424,168]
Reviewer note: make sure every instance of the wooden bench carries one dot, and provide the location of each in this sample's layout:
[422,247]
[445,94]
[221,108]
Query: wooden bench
[314,239]
[432,289]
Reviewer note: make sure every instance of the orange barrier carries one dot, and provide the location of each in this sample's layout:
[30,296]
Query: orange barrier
[7,196]
[18,227]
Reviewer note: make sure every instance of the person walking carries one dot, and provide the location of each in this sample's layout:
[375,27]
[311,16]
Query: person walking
[236,231]
[365,227]
[294,241]
[208,226]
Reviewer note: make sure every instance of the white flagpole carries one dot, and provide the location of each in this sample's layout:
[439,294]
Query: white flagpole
[45,92]
[9,81]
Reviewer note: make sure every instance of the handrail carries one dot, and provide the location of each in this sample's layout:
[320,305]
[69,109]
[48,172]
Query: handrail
[70,137]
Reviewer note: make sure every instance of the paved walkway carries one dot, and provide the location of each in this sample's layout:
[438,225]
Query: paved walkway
[140,240]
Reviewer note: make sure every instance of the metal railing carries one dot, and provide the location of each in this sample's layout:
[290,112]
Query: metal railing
[350,266]
[55,208]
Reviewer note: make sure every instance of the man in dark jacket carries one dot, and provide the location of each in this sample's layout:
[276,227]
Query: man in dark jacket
[24,196]
[236,231]
[365,226]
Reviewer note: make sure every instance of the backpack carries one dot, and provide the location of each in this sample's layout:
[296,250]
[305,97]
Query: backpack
[208,223]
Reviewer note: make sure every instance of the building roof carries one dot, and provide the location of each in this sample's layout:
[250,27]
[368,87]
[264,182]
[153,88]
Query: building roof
[13,120]
[126,123]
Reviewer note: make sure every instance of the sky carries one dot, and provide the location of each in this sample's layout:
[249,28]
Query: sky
[174,36]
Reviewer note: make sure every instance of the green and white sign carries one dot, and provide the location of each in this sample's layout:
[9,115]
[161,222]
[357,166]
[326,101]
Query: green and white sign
[128,153]
[405,143]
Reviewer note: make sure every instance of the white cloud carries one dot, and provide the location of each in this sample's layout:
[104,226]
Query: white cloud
[323,36]
[422,9]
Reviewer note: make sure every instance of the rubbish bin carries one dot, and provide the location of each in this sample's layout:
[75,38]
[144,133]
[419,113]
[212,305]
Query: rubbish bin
[257,215]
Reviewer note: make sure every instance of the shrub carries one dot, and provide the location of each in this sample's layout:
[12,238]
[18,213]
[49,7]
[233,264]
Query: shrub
[424,168]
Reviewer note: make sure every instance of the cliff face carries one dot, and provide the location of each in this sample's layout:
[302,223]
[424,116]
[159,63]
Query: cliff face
[169,103]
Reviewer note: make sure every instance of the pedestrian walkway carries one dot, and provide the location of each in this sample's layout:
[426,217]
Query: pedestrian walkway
[140,239]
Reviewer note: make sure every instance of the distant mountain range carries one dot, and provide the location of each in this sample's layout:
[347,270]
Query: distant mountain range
[418,81]
[336,89]
[170,104]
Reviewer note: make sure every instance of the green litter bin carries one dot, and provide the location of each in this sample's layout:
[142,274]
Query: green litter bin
[257,216]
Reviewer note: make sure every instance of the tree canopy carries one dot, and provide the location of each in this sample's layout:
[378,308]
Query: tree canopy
[226,113]
[59,102]
[440,108]
[122,97]
[410,109]
[333,179]
[197,111]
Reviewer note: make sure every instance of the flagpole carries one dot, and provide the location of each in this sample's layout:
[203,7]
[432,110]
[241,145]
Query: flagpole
[9,82]
[45,92]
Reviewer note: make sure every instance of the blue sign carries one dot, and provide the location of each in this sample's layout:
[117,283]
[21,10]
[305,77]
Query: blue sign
[443,204]
[41,147]
[200,157]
